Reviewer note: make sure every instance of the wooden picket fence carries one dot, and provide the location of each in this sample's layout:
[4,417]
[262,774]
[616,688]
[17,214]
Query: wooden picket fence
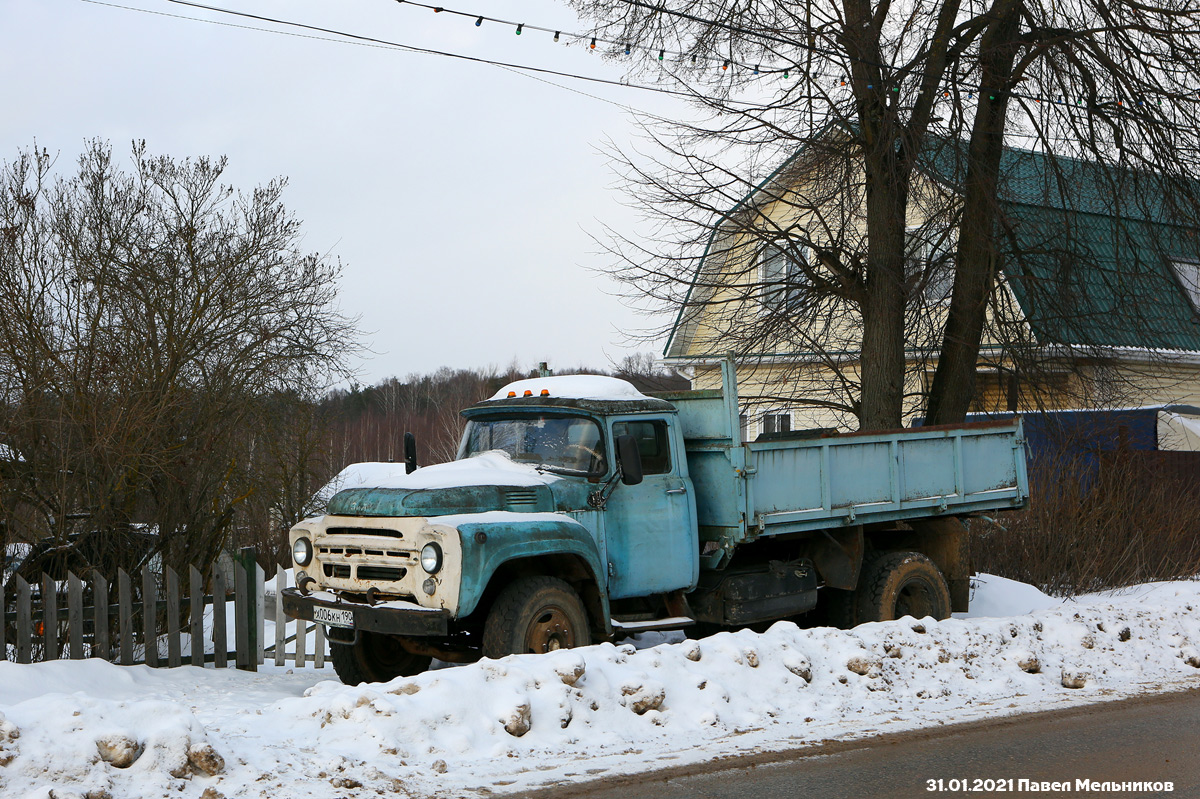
[39,625]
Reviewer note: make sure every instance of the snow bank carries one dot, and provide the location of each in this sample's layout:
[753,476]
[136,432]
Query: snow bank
[533,720]
[593,387]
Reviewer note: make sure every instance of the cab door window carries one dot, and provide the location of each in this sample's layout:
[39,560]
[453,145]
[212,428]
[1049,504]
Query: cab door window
[652,441]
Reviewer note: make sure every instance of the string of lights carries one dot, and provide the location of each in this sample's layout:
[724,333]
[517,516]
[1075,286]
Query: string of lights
[972,92]
[368,41]
[785,70]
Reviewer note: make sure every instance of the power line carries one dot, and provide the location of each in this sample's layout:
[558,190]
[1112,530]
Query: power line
[970,89]
[529,71]
[428,51]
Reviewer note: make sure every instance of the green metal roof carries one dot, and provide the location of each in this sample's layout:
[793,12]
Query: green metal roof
[1087,249]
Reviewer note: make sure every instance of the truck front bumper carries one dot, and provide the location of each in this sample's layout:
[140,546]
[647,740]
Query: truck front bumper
[389,618]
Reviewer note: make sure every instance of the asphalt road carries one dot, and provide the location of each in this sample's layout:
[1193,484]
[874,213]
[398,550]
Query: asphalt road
[1148,739]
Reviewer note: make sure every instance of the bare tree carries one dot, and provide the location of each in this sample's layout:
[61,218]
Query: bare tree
[876,98]
[151,317]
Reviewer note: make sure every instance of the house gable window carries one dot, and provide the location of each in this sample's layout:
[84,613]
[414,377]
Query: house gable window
[782,277]
[932,251]
[1188,272]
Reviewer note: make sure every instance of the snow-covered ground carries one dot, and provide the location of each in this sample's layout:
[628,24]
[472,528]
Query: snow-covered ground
[88,729]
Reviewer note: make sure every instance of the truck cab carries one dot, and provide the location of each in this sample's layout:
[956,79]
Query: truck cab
[568,496]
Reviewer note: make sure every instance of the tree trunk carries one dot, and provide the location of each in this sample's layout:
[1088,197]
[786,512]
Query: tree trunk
[975,274]
[882,399]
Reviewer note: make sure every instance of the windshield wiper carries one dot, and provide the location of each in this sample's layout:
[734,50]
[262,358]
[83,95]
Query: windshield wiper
[542,467]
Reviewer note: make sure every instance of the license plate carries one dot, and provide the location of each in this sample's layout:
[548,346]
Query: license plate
[333,616]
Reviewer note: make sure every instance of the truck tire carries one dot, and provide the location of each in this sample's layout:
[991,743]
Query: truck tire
[375,658]
[535,614]
[898,584]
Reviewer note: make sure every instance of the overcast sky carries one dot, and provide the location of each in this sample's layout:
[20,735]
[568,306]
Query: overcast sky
[460,197]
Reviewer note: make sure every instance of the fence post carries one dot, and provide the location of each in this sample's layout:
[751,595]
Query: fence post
[100,643]
[240,615]
[172,586]
[24,627]
[319,646]
[150,616]
[49,619]
[260,613]
[196,599]
[3,623]
[301,644]
[220,640]
[75,616]
[125,616]
[245,604]
[280,619]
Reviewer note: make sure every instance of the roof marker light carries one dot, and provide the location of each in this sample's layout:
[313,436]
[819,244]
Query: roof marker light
[528,393]
[545,392]
[512,393]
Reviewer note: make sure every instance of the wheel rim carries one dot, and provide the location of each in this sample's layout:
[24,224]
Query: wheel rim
[915,599]
[549,630]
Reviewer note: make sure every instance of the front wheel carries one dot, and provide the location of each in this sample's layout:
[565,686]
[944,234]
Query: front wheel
[375,658]
[897,584]
[535,614]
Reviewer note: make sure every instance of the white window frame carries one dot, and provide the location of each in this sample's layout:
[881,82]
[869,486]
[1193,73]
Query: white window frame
[921,252]
[776,422]
[1187,272]
[786,288]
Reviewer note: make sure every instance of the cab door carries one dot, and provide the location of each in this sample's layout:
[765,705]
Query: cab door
[650,528]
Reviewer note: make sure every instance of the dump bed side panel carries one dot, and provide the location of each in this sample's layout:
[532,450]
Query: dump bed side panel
[880,477]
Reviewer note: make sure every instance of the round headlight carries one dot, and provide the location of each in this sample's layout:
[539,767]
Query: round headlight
[302,551]
[431,558]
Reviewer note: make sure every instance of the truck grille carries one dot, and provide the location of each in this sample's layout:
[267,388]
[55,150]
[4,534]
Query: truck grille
[337,570]
[381,573]
[364,531]
[361,551]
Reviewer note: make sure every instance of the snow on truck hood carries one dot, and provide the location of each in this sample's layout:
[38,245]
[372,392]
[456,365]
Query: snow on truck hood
[589,387]
[494,468]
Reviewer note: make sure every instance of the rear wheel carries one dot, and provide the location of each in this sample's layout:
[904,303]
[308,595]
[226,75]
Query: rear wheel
[535,614]
[375,658]
[898,584]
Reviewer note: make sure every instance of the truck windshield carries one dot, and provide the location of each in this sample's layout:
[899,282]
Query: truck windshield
[567,444]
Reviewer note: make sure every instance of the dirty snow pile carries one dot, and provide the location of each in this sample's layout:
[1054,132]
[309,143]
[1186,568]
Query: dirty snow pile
[88,729]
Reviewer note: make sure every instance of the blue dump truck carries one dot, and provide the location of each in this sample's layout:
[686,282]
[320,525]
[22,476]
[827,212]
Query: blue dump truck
[580,510]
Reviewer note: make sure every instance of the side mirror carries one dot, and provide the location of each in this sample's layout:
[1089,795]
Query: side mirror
[410,453]
[630,458]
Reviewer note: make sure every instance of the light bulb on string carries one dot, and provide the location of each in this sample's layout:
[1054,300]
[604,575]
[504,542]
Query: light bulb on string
[593,44]
[556,34]
[661,53]
[478,22]
[519,27]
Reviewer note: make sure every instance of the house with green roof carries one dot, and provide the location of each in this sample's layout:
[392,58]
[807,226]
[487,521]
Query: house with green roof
[1097,303]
